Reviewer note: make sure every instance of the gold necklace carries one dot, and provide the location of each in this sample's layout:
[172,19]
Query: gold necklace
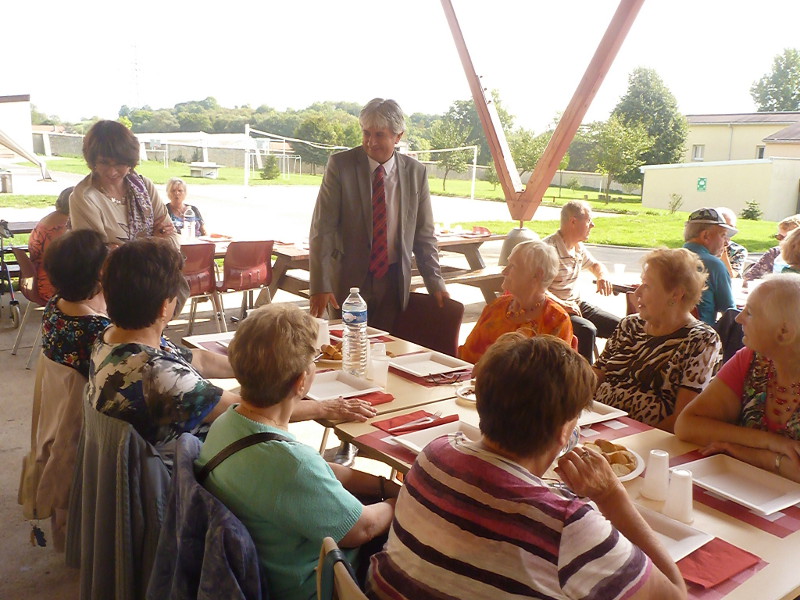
[512,313]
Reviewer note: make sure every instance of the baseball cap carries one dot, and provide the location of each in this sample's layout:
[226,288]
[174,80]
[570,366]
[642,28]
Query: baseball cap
[712,217]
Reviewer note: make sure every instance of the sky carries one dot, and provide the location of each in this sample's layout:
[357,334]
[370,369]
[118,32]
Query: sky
[84,58]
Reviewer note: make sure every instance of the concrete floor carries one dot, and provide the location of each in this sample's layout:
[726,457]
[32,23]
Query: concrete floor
[35,573]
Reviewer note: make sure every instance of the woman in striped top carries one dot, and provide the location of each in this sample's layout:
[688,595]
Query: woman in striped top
[475,520]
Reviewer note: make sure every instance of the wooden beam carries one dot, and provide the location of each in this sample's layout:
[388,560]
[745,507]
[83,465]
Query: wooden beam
[524,207]
[487,112]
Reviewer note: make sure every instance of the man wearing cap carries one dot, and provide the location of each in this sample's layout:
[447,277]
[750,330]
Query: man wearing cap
[706,233]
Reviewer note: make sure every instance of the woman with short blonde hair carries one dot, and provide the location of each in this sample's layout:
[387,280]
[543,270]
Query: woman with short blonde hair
[524,307]
[283,491]
[790,251]
[658,360]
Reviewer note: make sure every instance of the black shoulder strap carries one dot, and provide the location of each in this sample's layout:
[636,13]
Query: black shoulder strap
[240,444]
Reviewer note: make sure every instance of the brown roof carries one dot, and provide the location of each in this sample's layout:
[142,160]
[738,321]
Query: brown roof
[745,118]
[789,135]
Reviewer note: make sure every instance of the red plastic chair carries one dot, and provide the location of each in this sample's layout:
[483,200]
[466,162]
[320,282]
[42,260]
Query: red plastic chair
[247,266]
[424,323]
[28,285]
[199,272]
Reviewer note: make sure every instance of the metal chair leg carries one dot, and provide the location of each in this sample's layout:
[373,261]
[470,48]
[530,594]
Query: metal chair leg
[30,308]
[35,351]
[192,312]
[219,307]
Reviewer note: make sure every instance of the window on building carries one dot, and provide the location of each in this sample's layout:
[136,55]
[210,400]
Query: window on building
[759,151]
[698,150]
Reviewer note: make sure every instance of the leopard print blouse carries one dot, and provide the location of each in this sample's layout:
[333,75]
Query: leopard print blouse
[645,372]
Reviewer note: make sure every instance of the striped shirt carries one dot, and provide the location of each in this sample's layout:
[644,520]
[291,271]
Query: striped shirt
[570,263]
[471,524]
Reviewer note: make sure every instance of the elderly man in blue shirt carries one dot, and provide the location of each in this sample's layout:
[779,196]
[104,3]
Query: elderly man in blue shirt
[706,234]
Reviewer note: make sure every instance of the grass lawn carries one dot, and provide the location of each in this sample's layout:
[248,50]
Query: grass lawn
[621,203]
[643,231]
[158,173]
[21,201]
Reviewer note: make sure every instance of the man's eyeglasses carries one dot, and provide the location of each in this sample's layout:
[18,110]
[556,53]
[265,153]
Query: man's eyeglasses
[317,357]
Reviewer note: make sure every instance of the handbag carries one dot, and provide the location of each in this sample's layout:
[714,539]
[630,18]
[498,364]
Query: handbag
[234,447]
[31,467]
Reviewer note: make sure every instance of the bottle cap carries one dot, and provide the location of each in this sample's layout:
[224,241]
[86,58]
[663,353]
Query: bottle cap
[354,290]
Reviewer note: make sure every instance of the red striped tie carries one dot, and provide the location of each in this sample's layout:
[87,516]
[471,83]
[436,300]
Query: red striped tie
[379,257]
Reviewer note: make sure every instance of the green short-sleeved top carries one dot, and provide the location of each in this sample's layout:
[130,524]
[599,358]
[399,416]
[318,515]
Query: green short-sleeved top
[286,495]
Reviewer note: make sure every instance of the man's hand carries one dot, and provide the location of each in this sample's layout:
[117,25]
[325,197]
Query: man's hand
[319,303]
[440,297]
[604,286]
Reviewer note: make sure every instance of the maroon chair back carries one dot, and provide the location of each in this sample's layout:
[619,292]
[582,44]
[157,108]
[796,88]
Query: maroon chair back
[198,268]
[27,277]
[424,323]
[247,265]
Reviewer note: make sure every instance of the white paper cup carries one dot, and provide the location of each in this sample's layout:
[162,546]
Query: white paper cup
[323,335]
[679,498]
[656,477]
[380,370]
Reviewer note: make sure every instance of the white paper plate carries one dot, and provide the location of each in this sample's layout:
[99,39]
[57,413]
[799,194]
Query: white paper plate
[679,539]
[338,383]
[423,364]
[465,395]
[637,471]
[599,412]
[417,440]
[757,489]
[371,332]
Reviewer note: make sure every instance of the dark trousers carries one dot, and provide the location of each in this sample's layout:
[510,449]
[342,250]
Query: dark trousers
[383,297]
[594,322]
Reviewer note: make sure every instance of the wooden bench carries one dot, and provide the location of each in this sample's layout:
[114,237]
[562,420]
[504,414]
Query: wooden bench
[489,279]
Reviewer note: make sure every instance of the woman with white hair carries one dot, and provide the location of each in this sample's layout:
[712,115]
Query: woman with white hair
[524,307]
[766,263]
[177,207]
[751,409]
[658,360]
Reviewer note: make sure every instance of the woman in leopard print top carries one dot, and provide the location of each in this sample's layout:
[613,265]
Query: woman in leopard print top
[657,361]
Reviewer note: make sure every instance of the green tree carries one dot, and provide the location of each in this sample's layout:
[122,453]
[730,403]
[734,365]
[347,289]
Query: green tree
[527,149]
[194,121]
[490,175]
[450,134]
[317,129]
[125,121]
[580,150]
[271,169]
[649,103]
[465,114]
[619,148]
[779,90]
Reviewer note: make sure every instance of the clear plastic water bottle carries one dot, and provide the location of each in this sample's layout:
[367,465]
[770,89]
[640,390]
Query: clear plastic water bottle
[355,346]
[188,224]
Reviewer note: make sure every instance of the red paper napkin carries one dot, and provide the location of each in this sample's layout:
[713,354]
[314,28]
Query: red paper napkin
[715,562]
[376,398]
[388,424]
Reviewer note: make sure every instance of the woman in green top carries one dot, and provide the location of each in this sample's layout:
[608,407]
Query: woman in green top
[283,491]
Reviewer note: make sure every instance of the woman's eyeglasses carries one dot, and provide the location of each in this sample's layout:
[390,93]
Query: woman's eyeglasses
[779,236]
[447,378]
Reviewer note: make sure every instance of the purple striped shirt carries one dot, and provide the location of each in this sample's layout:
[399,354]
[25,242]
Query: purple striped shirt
[472,524]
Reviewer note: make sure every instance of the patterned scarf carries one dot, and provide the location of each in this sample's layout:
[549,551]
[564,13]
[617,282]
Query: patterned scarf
[140,208]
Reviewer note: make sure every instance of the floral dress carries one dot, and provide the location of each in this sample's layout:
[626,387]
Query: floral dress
[68,340]
[155,389]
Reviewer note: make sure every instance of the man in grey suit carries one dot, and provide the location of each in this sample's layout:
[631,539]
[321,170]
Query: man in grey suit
[372,211]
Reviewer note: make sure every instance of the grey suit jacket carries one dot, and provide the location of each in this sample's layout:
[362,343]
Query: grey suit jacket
[341,229]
